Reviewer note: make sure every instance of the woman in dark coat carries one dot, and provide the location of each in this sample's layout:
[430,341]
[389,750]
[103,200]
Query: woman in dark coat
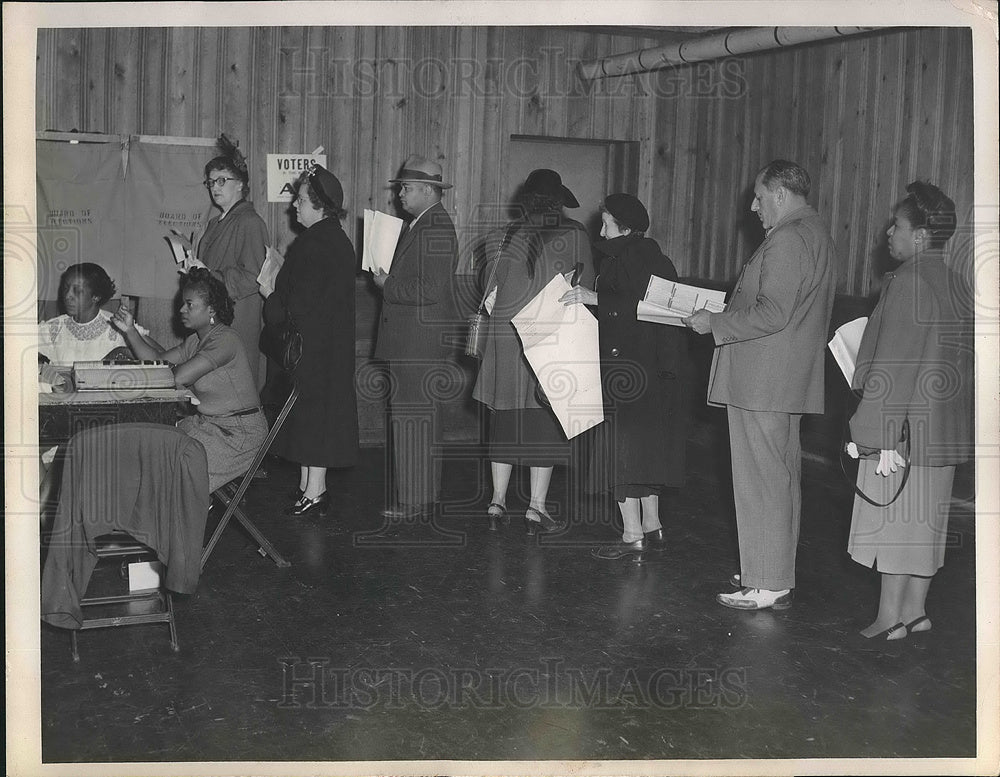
[523,259]
[316,287]
[642,375]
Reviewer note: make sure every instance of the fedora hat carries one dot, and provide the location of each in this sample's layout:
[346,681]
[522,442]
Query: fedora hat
[416,169]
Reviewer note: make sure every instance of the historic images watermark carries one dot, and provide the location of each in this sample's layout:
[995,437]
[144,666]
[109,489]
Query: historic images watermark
[312,683]
[316,71]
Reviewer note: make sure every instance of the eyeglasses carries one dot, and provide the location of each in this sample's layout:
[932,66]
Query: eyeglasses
[212,183]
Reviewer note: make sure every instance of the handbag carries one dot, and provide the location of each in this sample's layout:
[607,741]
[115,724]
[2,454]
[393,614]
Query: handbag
[903,438]
[283,343]
[475,338]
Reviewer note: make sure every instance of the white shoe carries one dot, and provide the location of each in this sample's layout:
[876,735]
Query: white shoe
[756,599]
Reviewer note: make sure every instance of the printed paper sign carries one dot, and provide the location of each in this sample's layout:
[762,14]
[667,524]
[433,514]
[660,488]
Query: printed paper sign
[283,170]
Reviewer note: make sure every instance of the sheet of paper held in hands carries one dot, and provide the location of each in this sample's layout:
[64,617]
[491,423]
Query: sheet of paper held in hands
[844,346]
[667,302]
[178,249]
[380,237]
[269,271]
[560,344]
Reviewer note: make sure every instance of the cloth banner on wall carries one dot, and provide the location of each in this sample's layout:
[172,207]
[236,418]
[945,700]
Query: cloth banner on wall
[164,191]
[81,209]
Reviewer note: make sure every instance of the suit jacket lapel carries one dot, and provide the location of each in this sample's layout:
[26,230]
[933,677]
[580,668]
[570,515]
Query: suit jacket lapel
[404,241]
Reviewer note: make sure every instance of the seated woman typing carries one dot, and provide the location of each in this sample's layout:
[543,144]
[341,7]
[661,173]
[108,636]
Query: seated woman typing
[212,364]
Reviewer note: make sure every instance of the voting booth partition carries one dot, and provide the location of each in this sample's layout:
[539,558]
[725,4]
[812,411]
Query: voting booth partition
[113,200]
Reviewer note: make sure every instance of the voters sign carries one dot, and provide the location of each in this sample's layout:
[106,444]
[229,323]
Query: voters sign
[283,170]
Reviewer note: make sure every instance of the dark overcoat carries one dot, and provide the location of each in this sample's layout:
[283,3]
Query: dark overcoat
[643,368]
[316,285]
[418,319]
[550,243]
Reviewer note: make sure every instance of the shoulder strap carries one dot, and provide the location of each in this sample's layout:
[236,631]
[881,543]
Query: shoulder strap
[493,271]
[904,438]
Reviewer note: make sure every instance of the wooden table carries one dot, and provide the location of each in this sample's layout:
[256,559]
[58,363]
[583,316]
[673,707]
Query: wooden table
[60,416]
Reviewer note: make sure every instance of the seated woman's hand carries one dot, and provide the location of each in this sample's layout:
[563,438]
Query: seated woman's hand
[119,354]
[579,296]
[123,320]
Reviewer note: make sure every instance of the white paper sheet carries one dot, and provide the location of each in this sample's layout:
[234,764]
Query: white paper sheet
[273,261]
[844,346]
[667,302]
[181,254]
[561,344]
[380,237]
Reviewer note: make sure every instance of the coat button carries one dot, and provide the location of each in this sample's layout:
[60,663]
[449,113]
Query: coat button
[615,351]
[614,314]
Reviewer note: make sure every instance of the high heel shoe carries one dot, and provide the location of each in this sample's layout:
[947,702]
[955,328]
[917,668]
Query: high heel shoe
[498,515]
[320,504]
[541,521]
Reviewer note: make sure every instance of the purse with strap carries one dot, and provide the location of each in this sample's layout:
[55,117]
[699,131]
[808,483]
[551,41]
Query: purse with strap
[904,438]
[283,343]
[475,340]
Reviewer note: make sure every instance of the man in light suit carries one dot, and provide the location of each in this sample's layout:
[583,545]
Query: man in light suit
[768,371]
[415,332]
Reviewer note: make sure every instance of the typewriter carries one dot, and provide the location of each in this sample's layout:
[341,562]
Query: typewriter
[122,375]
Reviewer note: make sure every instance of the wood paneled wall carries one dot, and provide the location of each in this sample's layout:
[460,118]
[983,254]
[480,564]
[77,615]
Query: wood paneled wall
[864,115]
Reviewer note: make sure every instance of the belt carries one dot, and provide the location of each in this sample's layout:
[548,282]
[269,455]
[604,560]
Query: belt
[248,411]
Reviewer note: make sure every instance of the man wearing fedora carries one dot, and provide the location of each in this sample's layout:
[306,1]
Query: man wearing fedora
[418,317]
[768,371]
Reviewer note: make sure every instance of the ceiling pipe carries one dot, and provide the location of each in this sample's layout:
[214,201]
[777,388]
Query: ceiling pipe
[710,47]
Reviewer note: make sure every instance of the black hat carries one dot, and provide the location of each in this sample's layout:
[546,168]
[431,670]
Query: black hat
[326,186]
[550,183]
[627,211]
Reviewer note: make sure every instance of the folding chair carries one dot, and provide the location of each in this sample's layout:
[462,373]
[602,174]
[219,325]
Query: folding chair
[232,494]
[129,491]
[122,545]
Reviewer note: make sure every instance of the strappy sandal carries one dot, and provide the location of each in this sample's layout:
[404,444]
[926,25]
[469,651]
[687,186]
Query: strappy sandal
[917,622]
[497,514]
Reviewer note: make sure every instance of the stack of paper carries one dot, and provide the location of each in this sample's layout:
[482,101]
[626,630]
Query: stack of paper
[560,343]
[269,271]
[668,302]
[380,238]
[844,346]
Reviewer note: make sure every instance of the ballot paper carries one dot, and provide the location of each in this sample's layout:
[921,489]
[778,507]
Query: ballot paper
[560,343]
[844,346]
[668,302]
[269,271]
[180,252]
[380,237]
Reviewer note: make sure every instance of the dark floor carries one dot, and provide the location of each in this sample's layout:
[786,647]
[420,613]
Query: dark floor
[442,640]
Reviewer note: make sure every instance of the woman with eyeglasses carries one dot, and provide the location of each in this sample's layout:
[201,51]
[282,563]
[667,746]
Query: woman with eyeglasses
[234,244]
[315,289]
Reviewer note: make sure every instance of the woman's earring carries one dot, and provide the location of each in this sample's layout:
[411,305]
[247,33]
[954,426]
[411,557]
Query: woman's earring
[211,319]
